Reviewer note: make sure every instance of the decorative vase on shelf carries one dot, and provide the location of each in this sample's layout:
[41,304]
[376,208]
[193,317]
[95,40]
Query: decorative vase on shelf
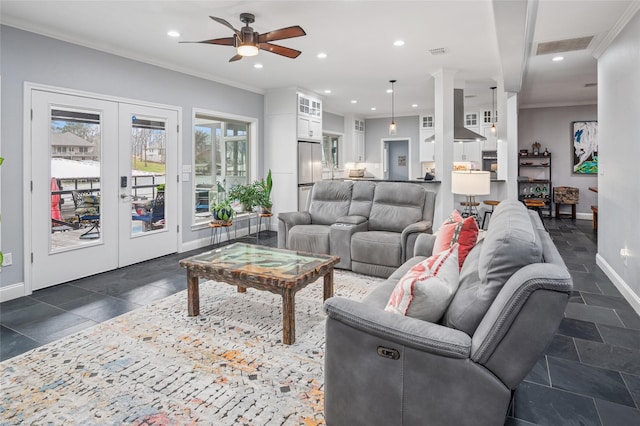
[546,152]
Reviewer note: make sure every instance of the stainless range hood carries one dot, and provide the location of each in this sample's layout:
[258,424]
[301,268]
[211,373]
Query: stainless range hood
[460,133]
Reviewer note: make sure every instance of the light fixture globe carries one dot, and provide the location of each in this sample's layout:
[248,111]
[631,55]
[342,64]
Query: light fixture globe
[393,129]
[247,50]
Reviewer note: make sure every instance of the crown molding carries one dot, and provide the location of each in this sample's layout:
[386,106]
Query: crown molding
[628,14]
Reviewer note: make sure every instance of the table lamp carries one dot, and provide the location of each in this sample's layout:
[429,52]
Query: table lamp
[470,183]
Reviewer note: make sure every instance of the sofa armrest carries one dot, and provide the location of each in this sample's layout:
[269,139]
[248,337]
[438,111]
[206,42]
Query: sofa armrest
[288,220]
[408,237]
[352,220]
[424,245]
[411,332]
[340,240]
[295,218]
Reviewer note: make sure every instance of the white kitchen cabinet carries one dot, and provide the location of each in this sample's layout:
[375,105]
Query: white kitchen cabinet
[354,139]
[309,126]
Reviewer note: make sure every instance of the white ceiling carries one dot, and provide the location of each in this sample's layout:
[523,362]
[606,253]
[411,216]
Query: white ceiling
[484,39]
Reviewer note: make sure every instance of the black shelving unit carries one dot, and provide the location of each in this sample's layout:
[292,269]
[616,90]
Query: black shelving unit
[537,168]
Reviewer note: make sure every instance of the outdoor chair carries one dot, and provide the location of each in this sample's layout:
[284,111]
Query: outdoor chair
[154,214]
[87,211]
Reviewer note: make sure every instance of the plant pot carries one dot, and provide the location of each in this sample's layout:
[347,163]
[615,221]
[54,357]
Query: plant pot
[224,214]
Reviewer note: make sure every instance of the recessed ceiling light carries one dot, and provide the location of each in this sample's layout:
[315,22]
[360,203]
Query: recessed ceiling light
[321,55]
[414,105]
[373,108]
[398,43]
[257,65]
[327,91]
[354,101]
[557,58]
[173,33]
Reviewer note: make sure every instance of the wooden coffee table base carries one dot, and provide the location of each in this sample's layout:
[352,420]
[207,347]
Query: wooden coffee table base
[286,288]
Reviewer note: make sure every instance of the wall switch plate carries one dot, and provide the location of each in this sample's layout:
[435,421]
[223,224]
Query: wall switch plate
[7,260]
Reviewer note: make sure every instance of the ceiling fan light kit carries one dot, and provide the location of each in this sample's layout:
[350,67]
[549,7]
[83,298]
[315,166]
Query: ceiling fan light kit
[248,42]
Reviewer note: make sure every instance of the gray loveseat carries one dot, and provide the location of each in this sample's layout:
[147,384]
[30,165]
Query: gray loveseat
[382,368]
[372,226]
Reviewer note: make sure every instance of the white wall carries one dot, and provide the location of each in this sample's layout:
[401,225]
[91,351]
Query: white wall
[619,176]
[33,58]
[552,128]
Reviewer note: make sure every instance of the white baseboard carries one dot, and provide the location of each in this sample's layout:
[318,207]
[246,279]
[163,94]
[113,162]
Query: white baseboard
[621,285]
[204,242]
[11,292]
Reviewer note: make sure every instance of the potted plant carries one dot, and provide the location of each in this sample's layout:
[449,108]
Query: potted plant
[247,195]
[266,185]
[222,210]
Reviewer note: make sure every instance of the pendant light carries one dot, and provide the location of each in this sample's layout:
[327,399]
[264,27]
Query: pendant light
[493,111]
[393,129]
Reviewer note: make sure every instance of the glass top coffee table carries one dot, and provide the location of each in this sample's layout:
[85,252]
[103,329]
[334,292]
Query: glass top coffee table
[278,271]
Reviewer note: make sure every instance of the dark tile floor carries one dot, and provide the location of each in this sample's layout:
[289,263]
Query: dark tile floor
[590,374]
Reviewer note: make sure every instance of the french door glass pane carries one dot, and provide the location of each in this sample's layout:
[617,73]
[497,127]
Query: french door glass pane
[148,174]
[75,157]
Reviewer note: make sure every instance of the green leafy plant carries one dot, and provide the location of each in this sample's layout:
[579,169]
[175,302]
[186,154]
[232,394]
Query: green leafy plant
[160,187]
[222,210]
[265,186]
[248,195]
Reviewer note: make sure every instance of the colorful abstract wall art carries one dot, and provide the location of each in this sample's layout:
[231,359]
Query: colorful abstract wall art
[585,147]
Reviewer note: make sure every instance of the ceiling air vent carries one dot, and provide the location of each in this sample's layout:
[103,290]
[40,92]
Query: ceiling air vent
[559,46]
[438,51]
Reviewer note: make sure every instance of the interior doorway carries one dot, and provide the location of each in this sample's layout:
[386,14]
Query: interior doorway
[396,159]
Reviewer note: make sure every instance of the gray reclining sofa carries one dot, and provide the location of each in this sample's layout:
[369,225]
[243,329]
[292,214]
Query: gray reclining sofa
[383,368]
[372,226]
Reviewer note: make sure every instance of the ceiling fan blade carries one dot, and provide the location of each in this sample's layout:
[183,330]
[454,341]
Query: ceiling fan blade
[226,24]
[235,58]
[280,50]
[282,33]
[226,41]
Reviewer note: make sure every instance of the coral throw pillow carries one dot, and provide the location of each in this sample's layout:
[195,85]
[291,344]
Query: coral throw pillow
[457,230]
[426,290]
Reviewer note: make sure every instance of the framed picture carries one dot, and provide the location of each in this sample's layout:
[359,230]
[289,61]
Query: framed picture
[584,137]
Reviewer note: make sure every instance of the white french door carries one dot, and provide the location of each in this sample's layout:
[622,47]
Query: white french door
[96,167]
[148,165]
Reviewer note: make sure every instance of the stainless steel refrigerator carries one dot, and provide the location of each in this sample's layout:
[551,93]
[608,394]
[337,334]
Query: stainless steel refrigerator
[309,170]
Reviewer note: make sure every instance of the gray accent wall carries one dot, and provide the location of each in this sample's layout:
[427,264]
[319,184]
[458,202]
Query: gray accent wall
[552,128]
[28,57]
[619,150]
[377,129]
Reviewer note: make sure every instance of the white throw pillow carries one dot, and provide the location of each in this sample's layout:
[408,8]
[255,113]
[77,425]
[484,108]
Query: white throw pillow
[426,290]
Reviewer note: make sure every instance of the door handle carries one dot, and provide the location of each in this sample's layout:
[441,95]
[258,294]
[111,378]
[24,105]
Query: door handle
[123,196]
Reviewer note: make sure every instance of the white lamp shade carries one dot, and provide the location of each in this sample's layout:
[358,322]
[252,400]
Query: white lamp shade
[471,182]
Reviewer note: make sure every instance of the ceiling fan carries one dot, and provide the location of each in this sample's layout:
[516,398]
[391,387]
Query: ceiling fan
[247,42]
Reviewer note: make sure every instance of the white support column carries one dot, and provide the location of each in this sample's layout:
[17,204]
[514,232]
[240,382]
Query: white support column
[512,145]
[443,126]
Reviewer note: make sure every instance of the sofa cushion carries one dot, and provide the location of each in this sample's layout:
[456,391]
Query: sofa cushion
[426,290]
[457,230]
[511,243]
[309,238]
[377,247]
[362,198]
[329,201]
[395,206]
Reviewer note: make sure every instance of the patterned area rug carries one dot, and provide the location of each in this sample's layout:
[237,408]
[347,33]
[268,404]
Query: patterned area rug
[156,365]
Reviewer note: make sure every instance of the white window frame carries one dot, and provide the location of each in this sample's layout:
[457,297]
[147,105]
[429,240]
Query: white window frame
[252,141]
